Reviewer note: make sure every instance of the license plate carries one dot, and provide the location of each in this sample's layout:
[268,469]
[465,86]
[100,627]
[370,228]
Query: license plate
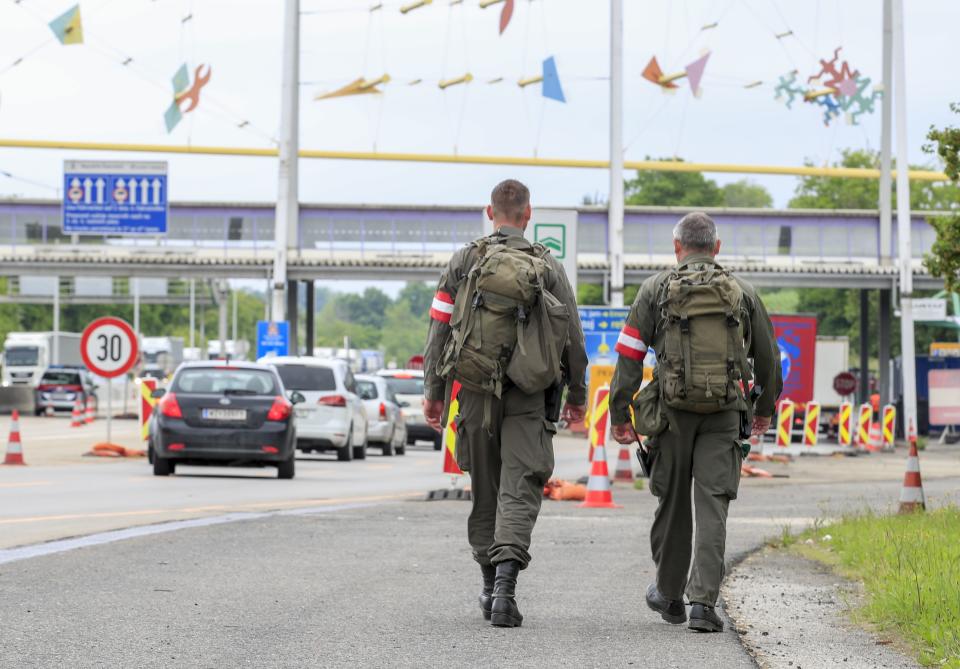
[224,414]
[303,413]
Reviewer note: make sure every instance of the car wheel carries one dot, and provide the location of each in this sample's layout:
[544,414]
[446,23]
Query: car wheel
[401,450]
[150,452]
[388,448]
[345,452]
[286,469]
[360,452]
[437,441]
[411,441]
[163,466]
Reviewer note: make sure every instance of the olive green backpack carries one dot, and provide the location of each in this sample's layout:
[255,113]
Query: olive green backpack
[703,365]
[505,323]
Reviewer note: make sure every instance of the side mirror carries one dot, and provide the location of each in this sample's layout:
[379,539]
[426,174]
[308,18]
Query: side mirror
[157,393]
[403,405]
[297,397]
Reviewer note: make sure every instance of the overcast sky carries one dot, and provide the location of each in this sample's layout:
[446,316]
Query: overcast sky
[84,93]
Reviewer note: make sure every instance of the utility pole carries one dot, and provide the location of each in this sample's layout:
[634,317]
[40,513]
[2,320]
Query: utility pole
[615,205]
[193,311]
[288,208]
[56,321]
[886,123]
[905,250]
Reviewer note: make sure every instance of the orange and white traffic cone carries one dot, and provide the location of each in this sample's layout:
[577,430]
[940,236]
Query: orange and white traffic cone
[91,412]
[14,447]
[598,485]
[911,494]
[624,471]
[76,417]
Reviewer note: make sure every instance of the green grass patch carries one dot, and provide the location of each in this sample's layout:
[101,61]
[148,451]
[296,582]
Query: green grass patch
[910,567]
[639,484]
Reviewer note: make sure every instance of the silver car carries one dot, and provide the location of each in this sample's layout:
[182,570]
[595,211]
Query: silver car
[385,424]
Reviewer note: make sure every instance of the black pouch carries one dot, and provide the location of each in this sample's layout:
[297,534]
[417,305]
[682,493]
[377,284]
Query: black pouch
[648,416]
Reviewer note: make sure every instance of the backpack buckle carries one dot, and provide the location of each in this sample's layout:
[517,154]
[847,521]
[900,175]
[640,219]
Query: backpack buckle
[477,300]
[684,325]
[732,321]
[521,314]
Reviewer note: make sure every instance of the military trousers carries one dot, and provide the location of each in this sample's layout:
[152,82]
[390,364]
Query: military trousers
[509,463]
[702,450]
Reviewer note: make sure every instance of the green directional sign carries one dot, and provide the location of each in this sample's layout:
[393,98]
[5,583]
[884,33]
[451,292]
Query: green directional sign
[553,236]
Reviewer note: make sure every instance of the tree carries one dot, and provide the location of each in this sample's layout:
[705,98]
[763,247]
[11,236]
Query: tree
[944,257]
[369,309]
[817,192]
[676,189]
[745,193]
[418,296]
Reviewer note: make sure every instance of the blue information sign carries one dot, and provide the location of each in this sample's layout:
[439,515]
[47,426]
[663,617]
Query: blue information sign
[601,327]
[114,197]
[273,338]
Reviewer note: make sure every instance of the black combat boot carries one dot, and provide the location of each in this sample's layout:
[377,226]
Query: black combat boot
[704,619]
[504,612]
[486,595]
[671,610]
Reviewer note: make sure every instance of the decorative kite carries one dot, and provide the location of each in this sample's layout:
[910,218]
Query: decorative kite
[68,27]
[839,90]
[356,87]
[505,14]
[550,80]
[444,84]
[693,73]
[184,91]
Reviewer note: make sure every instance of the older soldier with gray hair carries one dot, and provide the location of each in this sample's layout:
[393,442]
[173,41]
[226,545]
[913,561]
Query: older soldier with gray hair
[713,339]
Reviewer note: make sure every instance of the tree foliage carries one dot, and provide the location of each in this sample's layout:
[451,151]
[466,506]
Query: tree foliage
[745,193]
[944,257]
[676,189]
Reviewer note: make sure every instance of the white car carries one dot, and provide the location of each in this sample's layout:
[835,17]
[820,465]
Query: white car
[385,426]
[407,385]
[333,417]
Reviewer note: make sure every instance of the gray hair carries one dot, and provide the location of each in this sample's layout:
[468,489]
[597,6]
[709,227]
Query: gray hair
[696,231]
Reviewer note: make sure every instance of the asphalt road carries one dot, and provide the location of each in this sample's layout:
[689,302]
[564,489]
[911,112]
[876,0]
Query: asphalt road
[321,574]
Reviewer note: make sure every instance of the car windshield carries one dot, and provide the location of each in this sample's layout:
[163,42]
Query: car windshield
[405,385]
[21,356]
[307,377]
[61,378]
[225,380]
[367,390]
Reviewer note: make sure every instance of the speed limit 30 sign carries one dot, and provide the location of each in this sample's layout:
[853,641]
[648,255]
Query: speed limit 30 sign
[109,347]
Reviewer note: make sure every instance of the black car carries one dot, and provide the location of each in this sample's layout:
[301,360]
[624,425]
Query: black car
[224,413]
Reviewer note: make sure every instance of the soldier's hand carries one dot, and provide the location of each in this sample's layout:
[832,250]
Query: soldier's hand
[573,413]
[433,413]
[760,425]
[623,433]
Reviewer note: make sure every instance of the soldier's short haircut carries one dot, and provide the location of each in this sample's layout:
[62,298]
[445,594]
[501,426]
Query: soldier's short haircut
[696,231]
[509,200]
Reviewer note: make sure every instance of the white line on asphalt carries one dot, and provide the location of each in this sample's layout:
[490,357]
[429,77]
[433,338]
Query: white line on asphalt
[64,545]
[25,484]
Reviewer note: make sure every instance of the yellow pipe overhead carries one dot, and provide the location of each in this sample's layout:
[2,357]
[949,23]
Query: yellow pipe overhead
[447,83]
[414,5]
[643,165]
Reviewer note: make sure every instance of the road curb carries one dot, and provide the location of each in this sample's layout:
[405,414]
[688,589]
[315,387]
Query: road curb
[793,613]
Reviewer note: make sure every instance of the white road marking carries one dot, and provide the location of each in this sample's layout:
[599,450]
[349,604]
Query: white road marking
[64,545]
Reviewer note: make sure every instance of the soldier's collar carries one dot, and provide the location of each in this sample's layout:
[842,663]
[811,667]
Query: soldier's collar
[509,230]
[697,258]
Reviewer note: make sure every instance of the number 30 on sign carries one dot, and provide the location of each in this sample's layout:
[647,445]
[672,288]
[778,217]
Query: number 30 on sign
[109,347]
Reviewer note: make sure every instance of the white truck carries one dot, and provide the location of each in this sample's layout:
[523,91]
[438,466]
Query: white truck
[161,355]
[27,355]
[237,350]
[832,357]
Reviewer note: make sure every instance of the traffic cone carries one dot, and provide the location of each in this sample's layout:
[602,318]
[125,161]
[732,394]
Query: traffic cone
[91,411]
[598,486]
[624,471]
[911,494]
[76,417]
[14,447]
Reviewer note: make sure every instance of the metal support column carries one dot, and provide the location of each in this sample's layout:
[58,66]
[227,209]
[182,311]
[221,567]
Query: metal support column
[615,205]
[288,209]
[905,245]
[886,123]
[311,309]
[886,318]
[222,295]
[56,321]
[292,303]
[193,312]
[135,286]
[864,345]
[233,329]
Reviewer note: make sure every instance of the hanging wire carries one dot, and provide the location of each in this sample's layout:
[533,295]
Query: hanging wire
[39,184]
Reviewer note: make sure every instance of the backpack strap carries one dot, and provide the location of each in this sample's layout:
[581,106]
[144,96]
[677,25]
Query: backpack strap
[687,354]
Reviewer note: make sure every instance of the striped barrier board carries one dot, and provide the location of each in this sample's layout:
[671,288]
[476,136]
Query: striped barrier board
[784,423]
[864,419]
[811,423]
[599,419]
[889,425]
[845,426]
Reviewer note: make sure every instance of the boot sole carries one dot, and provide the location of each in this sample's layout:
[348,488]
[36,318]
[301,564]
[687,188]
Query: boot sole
[504,620]
[669,617]
[701,625]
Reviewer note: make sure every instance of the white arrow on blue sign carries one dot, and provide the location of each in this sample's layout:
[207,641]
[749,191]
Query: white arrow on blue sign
[111,197]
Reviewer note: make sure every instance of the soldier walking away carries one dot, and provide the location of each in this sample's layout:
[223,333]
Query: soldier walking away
[712,339]
[517,296]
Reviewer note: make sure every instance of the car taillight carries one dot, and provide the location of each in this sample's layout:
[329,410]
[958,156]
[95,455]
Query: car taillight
[169,406]
[383,411]
[175,447]
[280,409]
[272,450]
[333,401]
